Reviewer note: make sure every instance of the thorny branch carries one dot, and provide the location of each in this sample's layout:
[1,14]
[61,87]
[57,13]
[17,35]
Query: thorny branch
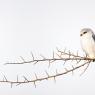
[48,76]
[60,55]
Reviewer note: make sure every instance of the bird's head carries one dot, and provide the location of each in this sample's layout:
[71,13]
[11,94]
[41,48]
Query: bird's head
[86,32]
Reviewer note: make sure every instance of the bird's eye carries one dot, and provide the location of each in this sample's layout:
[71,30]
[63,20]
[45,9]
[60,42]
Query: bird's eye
[84,32]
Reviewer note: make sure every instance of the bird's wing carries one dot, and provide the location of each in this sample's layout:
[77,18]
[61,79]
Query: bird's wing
[93,36]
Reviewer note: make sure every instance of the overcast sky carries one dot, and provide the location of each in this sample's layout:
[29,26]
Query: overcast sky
[40,26]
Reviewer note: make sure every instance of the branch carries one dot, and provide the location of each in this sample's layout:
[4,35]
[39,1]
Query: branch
[60,56]
[56,56]
[48,76]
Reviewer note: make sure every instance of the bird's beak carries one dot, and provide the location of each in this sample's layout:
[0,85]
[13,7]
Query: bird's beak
[81,34]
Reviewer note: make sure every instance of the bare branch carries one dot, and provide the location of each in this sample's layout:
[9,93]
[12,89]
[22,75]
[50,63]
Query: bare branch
[48,76]
[51,59]
[59,56]
[63,56]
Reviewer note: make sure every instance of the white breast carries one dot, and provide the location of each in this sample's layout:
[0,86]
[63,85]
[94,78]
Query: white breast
[88,46]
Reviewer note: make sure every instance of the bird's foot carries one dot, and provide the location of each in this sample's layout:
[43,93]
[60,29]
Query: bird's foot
[93,60]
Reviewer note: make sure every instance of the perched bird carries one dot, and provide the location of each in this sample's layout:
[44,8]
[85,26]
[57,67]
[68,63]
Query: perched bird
[87,39]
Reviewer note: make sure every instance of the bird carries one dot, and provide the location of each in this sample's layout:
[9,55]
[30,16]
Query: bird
[87,40]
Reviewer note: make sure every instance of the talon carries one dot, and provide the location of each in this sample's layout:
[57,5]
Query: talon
[93,60]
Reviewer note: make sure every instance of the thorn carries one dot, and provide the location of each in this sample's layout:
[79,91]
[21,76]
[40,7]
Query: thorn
[85,68]
[42,56]
[49,64]
[22,58]
[35,62]
[77,53]
[64,62]
[47,74]
[17,78]
[53,54]
[58,55]
[34,84]
[72,70]
[18,84]
[69,53]
[50,61]
[57,49]
[11,84]
[66,70]
[86,55]
[56,72]
[54,79]
[5,78]
[65,50]
[32,56]
[78,61]
[36,76]
[25,78]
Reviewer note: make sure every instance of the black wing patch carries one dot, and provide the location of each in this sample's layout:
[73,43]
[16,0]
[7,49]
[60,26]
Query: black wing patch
[93,36]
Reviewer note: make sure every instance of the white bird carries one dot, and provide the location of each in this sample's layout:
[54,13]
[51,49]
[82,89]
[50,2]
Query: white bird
[87,39]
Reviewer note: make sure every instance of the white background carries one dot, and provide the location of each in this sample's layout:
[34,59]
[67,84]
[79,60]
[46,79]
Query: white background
[40,26]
